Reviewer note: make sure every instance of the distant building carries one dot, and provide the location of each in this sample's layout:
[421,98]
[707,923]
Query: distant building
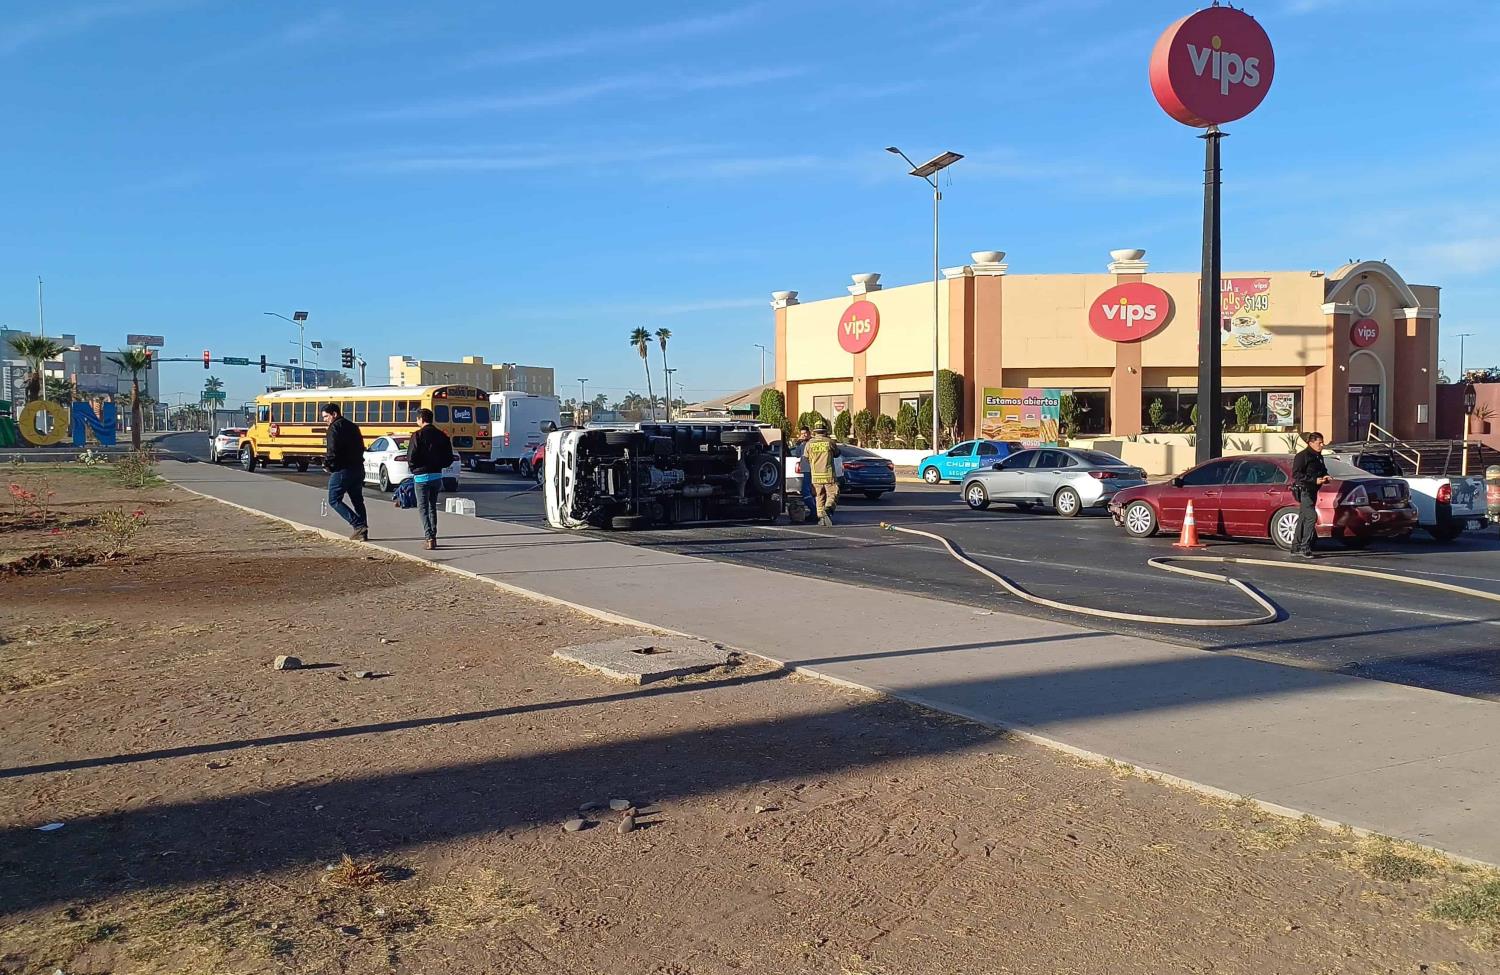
[86,366]
[472,371]
[292,377]
[742,404]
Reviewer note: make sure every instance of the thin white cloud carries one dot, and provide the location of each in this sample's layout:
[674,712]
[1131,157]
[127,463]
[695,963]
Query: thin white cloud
[1471,255]
[79,18]
[613,40]
[516,158]
[657,85]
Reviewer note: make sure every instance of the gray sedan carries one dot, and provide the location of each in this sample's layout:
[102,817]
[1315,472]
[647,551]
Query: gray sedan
[1063,478]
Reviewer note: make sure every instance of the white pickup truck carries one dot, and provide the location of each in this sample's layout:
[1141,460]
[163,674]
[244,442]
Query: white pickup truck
[1447,506]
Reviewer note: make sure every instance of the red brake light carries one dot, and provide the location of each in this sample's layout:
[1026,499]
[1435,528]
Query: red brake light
[1103,475]
[1445,494]
[400,457]
[853,465]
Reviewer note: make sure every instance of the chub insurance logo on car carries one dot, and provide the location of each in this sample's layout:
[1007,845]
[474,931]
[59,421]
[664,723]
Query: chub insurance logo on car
[1130,312]
[1212,67]
[858,326]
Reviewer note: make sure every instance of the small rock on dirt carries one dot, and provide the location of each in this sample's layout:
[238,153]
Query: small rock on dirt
[286,663]
[627,824]
[619,805]
[363,674]
[574,825]
[590,806]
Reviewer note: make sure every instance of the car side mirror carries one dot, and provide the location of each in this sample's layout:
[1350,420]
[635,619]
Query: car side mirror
[1177,482]
[998,466]
[548,426]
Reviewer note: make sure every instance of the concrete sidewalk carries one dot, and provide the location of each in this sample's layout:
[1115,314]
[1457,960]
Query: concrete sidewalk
[1406,762]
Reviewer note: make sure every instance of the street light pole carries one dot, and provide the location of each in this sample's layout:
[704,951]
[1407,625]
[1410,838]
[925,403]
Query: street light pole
[299,319]
[669,393]
[580,398]
[1461,336]
[762,349]
[928,172]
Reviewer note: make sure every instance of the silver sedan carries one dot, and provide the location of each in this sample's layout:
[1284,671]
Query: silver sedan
[1065,479]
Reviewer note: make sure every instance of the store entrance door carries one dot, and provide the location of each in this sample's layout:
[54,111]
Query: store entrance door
[1364,409]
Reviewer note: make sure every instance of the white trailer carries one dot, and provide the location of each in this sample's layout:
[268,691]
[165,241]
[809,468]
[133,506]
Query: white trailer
[516,426]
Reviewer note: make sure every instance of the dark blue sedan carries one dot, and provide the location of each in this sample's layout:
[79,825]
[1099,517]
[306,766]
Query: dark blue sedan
[859,471]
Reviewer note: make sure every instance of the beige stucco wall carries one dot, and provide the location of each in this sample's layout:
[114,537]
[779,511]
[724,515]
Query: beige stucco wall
[903,344]
[1045,325]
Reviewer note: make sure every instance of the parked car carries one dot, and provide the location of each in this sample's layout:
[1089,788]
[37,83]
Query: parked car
[1066,479]
[858,471]
[536,464]
[225,443]
[386,467]
[1447,506]
[952,464]
[1251,497]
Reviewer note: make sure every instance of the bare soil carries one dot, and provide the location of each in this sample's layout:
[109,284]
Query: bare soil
[221,816]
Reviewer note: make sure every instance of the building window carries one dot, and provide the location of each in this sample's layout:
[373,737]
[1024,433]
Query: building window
[1092,407]
[1270,409]
[832,406]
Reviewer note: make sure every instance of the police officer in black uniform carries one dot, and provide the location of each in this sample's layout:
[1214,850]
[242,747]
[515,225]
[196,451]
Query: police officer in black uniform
[1308,474]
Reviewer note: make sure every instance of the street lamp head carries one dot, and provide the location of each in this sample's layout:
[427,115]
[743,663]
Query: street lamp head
[936,164]
[315,344]
[893,149]
[299,316]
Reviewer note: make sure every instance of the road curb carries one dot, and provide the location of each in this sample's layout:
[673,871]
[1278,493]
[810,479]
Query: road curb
[1020,731]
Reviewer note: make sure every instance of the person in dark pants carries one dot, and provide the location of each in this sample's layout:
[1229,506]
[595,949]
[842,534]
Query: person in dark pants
[428,455]
[344,460]
[1308,474]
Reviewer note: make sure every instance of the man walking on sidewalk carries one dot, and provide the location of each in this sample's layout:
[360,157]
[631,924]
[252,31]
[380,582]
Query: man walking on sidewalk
[344,460]
[817,457]
[428,455]
[1308,474]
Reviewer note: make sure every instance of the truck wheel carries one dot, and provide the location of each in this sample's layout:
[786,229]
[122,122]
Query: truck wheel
[301,467]
[628,522]
[247,458]
[765,473]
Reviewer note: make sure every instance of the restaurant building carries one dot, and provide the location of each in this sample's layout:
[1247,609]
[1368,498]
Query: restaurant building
[1334,351]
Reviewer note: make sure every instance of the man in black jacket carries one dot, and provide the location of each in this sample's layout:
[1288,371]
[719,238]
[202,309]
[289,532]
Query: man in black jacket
[428,455]
[344,460]
[1308,474]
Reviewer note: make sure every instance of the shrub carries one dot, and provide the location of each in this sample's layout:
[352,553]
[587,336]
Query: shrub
[1067,414]
[1193,418]
[906,423]
[841,426]
[1156,412]
[92,458]
[810,419]
[950,393]
[137,469]
[1242,410]
[924,419]
[885,430]
[117,528]
[864,427]
[773,407]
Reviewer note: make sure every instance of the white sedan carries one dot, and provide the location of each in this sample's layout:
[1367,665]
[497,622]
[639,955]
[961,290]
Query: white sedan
[385,465]
[225,443]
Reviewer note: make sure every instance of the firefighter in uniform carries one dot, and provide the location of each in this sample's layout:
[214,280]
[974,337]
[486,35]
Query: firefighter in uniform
[818,454]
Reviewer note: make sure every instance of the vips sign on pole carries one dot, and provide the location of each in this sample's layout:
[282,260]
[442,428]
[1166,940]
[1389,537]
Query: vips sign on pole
[1212,67]
[858,327]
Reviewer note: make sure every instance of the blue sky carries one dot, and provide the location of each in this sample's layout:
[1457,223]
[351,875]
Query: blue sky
[529,182]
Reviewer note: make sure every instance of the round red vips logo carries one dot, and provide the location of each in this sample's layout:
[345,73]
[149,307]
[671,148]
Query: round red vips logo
[1364,333]
[858,326]
[1130,312]
[1212,67]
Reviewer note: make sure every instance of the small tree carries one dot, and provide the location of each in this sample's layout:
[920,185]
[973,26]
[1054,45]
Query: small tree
[1193,418]
[1067,414]
[135,362]
[841,424]
[864,427]
[906,423]
[1156,412]
[810,419]
[885,430]
[924,421]
[950,403]
[37,351]
[773,408]
[1242,410]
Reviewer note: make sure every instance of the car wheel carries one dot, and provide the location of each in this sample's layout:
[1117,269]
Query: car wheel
[1283,529]
[1067,502]
[931,475]
[976,497]
[1139,520]
[450,485]
[1445,533]
[524,467]
[628,522]
[247,458]
[385,479]
[539,472]
[874,495]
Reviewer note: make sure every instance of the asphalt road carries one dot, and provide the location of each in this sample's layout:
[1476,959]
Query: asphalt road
[1366,628]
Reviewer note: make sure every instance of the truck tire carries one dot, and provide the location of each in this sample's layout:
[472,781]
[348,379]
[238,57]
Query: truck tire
[247,458]
[1447,533]
[765,473]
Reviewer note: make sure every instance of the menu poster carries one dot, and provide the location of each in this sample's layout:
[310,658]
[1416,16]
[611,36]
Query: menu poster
[1031,415]
[1243,307]
[1280,408]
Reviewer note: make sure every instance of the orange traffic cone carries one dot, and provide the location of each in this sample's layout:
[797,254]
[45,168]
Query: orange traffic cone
[1189,536]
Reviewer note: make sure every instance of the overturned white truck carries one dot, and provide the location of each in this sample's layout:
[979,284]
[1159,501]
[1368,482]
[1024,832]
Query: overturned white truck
[663,474]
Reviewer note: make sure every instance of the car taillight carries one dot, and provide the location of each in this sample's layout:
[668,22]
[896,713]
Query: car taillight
[853,465]
[1103,475]
[1445,494]
[400,457]
[1357,495]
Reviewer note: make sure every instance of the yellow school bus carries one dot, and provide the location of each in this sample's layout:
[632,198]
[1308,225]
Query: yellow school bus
[289,430]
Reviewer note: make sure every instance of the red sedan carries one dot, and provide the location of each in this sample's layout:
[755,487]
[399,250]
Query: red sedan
[1251,497]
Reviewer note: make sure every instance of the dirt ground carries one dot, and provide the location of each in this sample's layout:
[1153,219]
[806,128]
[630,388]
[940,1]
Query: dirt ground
[221,816]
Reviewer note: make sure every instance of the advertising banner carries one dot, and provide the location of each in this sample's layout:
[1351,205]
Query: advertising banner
[1031,415]
[1281,408]
[1244,306]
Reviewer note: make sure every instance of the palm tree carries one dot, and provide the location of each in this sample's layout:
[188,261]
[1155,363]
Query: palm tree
[59,391]
[662,334]
[135,362]
[641,339]
[37,351]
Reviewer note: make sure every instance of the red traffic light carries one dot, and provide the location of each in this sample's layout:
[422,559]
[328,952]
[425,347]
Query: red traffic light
[206,358]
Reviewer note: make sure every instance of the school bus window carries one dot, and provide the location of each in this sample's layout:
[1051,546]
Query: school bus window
[298,414]
[440,413]
[400,411]
[411,409]
[302,413]
[387,411]
[359,411]
[262,414]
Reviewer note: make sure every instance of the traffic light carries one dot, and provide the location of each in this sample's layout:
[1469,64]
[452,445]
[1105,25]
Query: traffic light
[207,358]
[150,357]
[347,357]
[262,363]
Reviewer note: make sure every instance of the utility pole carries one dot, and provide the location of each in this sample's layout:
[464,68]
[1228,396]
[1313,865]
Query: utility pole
[669,393]
[41,313]
[1461,336]
[581,383]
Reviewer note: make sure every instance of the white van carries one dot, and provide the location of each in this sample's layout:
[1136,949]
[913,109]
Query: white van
[516,426]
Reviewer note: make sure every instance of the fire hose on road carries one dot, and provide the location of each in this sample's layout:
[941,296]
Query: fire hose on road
[1270,612]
